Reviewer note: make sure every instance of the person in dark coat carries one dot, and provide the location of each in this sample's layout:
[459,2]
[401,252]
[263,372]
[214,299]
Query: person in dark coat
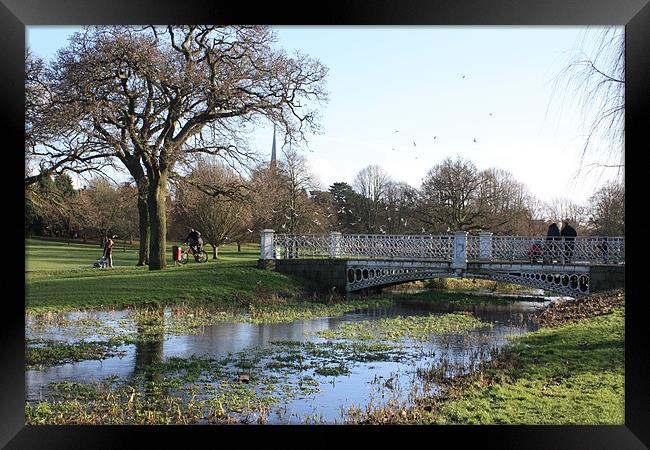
[194,240]
[551,247]
[569,233]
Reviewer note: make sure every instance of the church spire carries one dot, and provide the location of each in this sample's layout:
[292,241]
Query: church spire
[273,149]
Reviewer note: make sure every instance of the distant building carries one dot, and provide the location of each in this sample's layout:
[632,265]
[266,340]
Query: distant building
[273,162]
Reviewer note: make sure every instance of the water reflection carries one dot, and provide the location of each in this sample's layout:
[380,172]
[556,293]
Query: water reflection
[149,350]
[366,382]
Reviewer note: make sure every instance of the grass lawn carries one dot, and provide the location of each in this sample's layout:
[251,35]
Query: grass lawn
[572,374]
[57,277]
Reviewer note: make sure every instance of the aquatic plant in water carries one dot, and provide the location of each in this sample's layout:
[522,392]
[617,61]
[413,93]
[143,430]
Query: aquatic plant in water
[414,327]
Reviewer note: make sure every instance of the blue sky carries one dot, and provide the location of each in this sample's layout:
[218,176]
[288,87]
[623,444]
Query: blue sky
[492,84]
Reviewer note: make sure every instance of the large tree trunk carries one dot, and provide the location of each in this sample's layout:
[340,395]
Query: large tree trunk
[143,217]
[215,251]
[157,221]
[132,163]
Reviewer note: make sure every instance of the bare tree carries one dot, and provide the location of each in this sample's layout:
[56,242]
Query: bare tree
[202,205]
[128,215]
[101,206]
[156,95]
[399,204]
[298,179]
[449,196]
[607,210]
[371,183]
[561,208]
[597,75]
[265,198]
[504,201]
[51,206]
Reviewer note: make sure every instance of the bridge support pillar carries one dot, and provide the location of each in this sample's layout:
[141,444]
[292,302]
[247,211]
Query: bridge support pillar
[334,249]
[267,260]
[485,245]
[460,251]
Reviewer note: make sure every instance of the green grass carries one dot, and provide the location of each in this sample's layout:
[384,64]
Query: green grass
[232,283]
[55,281]
[572,374]
[51,255]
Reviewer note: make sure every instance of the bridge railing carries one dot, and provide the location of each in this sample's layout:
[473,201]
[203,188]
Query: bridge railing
[339,245]
[397,246]
[286,246]
[581,250]
[484,247]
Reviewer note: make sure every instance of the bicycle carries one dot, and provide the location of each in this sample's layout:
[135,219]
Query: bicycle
[200,256]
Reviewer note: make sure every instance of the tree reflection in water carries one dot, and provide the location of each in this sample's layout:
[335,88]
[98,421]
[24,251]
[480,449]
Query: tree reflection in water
[149,350]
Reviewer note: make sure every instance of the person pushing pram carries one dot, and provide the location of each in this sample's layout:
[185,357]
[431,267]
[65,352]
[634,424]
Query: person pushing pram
[107,257]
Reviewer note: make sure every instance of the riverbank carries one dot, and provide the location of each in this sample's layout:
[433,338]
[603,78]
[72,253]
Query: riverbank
[571,371]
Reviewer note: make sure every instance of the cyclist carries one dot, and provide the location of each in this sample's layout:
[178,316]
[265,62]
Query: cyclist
[194,241]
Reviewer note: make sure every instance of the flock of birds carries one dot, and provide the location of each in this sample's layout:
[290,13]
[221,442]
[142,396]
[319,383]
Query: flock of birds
[434,138]
[475,140]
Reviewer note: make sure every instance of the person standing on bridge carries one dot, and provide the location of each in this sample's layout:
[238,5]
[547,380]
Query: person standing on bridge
[550,249]
[569,233]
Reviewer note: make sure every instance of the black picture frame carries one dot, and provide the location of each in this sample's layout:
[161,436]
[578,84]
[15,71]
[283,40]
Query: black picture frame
[15,15]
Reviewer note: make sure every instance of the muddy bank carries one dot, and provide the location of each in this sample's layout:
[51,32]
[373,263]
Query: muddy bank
[571,311]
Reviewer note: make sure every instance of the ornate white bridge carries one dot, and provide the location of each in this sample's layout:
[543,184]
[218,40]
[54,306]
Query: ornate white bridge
[351,263]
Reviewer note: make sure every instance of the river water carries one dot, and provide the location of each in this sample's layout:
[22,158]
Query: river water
[365,382]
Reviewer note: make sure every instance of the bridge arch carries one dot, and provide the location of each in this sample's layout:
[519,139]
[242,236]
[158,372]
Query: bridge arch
[373,274]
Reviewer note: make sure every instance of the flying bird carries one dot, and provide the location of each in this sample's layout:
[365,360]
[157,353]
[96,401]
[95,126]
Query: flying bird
[475,140]
[249,230]
[413,143]
[435,137]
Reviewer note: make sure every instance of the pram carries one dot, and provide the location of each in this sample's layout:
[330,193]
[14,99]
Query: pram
[101,263]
